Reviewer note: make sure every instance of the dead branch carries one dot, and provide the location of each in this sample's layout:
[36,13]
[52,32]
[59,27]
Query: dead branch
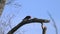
[27,22]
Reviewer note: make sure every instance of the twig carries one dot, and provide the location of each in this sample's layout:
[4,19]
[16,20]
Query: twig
[54,23]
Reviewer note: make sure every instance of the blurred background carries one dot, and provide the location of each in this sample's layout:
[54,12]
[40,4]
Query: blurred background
[15,10]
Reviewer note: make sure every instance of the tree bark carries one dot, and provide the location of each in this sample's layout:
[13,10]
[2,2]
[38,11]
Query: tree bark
[2,4]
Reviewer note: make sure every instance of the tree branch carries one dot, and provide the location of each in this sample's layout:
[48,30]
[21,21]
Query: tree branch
[27,22]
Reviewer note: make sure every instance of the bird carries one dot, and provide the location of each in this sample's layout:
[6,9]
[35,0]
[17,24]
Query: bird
[26,18]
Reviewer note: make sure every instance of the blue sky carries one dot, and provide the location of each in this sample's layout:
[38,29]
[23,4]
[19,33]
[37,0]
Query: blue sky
[34,8]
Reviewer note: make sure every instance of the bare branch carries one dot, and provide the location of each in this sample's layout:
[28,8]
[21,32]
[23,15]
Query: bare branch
[26,21]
